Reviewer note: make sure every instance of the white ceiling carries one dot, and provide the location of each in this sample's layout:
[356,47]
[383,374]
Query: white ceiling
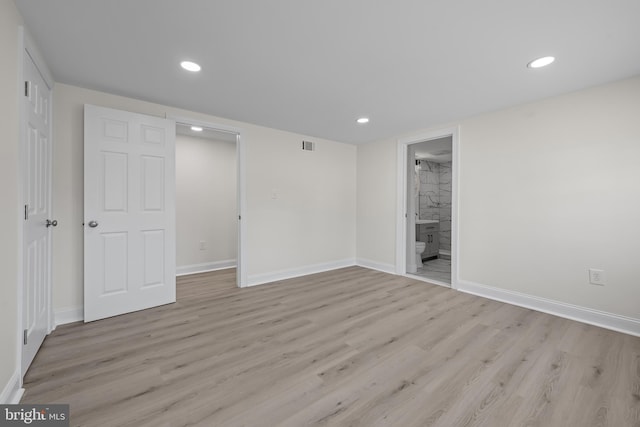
[315,66]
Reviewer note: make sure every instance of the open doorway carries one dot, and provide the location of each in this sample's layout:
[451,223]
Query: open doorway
[208,199]
[427,208]
[432,194]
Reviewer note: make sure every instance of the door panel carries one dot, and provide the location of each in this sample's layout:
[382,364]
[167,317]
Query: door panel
[37,197]
[130,198]
[114,258]
[154,250]
[152,183]
[114,182]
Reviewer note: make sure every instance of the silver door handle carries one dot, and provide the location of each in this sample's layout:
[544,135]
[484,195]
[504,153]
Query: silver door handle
[93,224]
[50,223]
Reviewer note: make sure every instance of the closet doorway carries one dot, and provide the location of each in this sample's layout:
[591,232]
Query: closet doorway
[209,202]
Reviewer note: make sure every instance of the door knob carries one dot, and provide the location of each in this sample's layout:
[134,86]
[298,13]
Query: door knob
[93,224]
[53,223]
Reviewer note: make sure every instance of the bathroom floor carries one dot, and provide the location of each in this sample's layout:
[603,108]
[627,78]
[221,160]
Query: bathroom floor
[437,269]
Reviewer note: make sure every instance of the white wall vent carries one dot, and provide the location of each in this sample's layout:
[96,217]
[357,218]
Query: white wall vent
[308,146]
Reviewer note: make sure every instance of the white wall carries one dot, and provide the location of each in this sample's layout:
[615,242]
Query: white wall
[310,224]
[312,220]
[376,209]
[547,190]
[206,203]
[554,188]
[10,211]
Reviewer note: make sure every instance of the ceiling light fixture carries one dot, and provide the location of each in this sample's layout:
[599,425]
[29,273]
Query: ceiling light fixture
[541,62]
[196,128]
[363,120]
[190,66]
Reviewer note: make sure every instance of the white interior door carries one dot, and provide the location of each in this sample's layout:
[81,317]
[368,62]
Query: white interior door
[129,212]
[37,212]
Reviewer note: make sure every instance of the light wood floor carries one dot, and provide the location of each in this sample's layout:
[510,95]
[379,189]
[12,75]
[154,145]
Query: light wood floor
[347,347]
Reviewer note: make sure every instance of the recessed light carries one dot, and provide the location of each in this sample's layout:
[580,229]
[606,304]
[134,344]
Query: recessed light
[363,120]
[196,128]
[190,66]
[541,62]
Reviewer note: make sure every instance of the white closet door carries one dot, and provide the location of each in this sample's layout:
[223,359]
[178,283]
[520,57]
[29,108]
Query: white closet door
[129,212]
[37,215]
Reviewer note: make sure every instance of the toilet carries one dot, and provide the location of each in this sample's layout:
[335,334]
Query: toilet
[420,248]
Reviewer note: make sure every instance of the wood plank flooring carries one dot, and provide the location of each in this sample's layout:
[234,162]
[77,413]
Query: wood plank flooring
[350,347]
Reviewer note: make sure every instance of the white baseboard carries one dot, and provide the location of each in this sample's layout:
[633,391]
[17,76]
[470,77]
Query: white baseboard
[205,267]
[615,322]
[259,279]
[374,265]
[68,315]
[12,391]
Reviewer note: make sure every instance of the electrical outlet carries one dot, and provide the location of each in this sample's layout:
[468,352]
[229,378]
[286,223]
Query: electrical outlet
[596,277]
[203,245]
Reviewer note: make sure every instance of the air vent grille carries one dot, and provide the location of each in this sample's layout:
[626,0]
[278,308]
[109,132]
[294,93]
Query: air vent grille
[308,146]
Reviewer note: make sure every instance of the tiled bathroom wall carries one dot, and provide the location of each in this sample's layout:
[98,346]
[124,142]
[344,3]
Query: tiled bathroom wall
[435,197]
[429,192]
[445,206]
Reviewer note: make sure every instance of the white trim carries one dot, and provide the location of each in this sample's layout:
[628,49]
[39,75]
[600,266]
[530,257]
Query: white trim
[374,265]
[590,316]
[401,267]
[259,279]
[455,199]
[401,203]
[241,257]
[205,267]
[69,315]
[455,203]
[12,392]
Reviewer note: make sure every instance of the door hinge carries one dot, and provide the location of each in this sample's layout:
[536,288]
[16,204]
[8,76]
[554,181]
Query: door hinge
[26,212]
[26,89]
[24,336]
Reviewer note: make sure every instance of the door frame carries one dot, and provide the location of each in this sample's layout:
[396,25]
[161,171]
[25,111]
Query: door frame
[26,44]
[402,220]
[241,255]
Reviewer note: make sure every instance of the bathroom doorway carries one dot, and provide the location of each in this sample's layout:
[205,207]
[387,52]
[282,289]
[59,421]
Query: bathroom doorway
[427,209]
[209,204]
